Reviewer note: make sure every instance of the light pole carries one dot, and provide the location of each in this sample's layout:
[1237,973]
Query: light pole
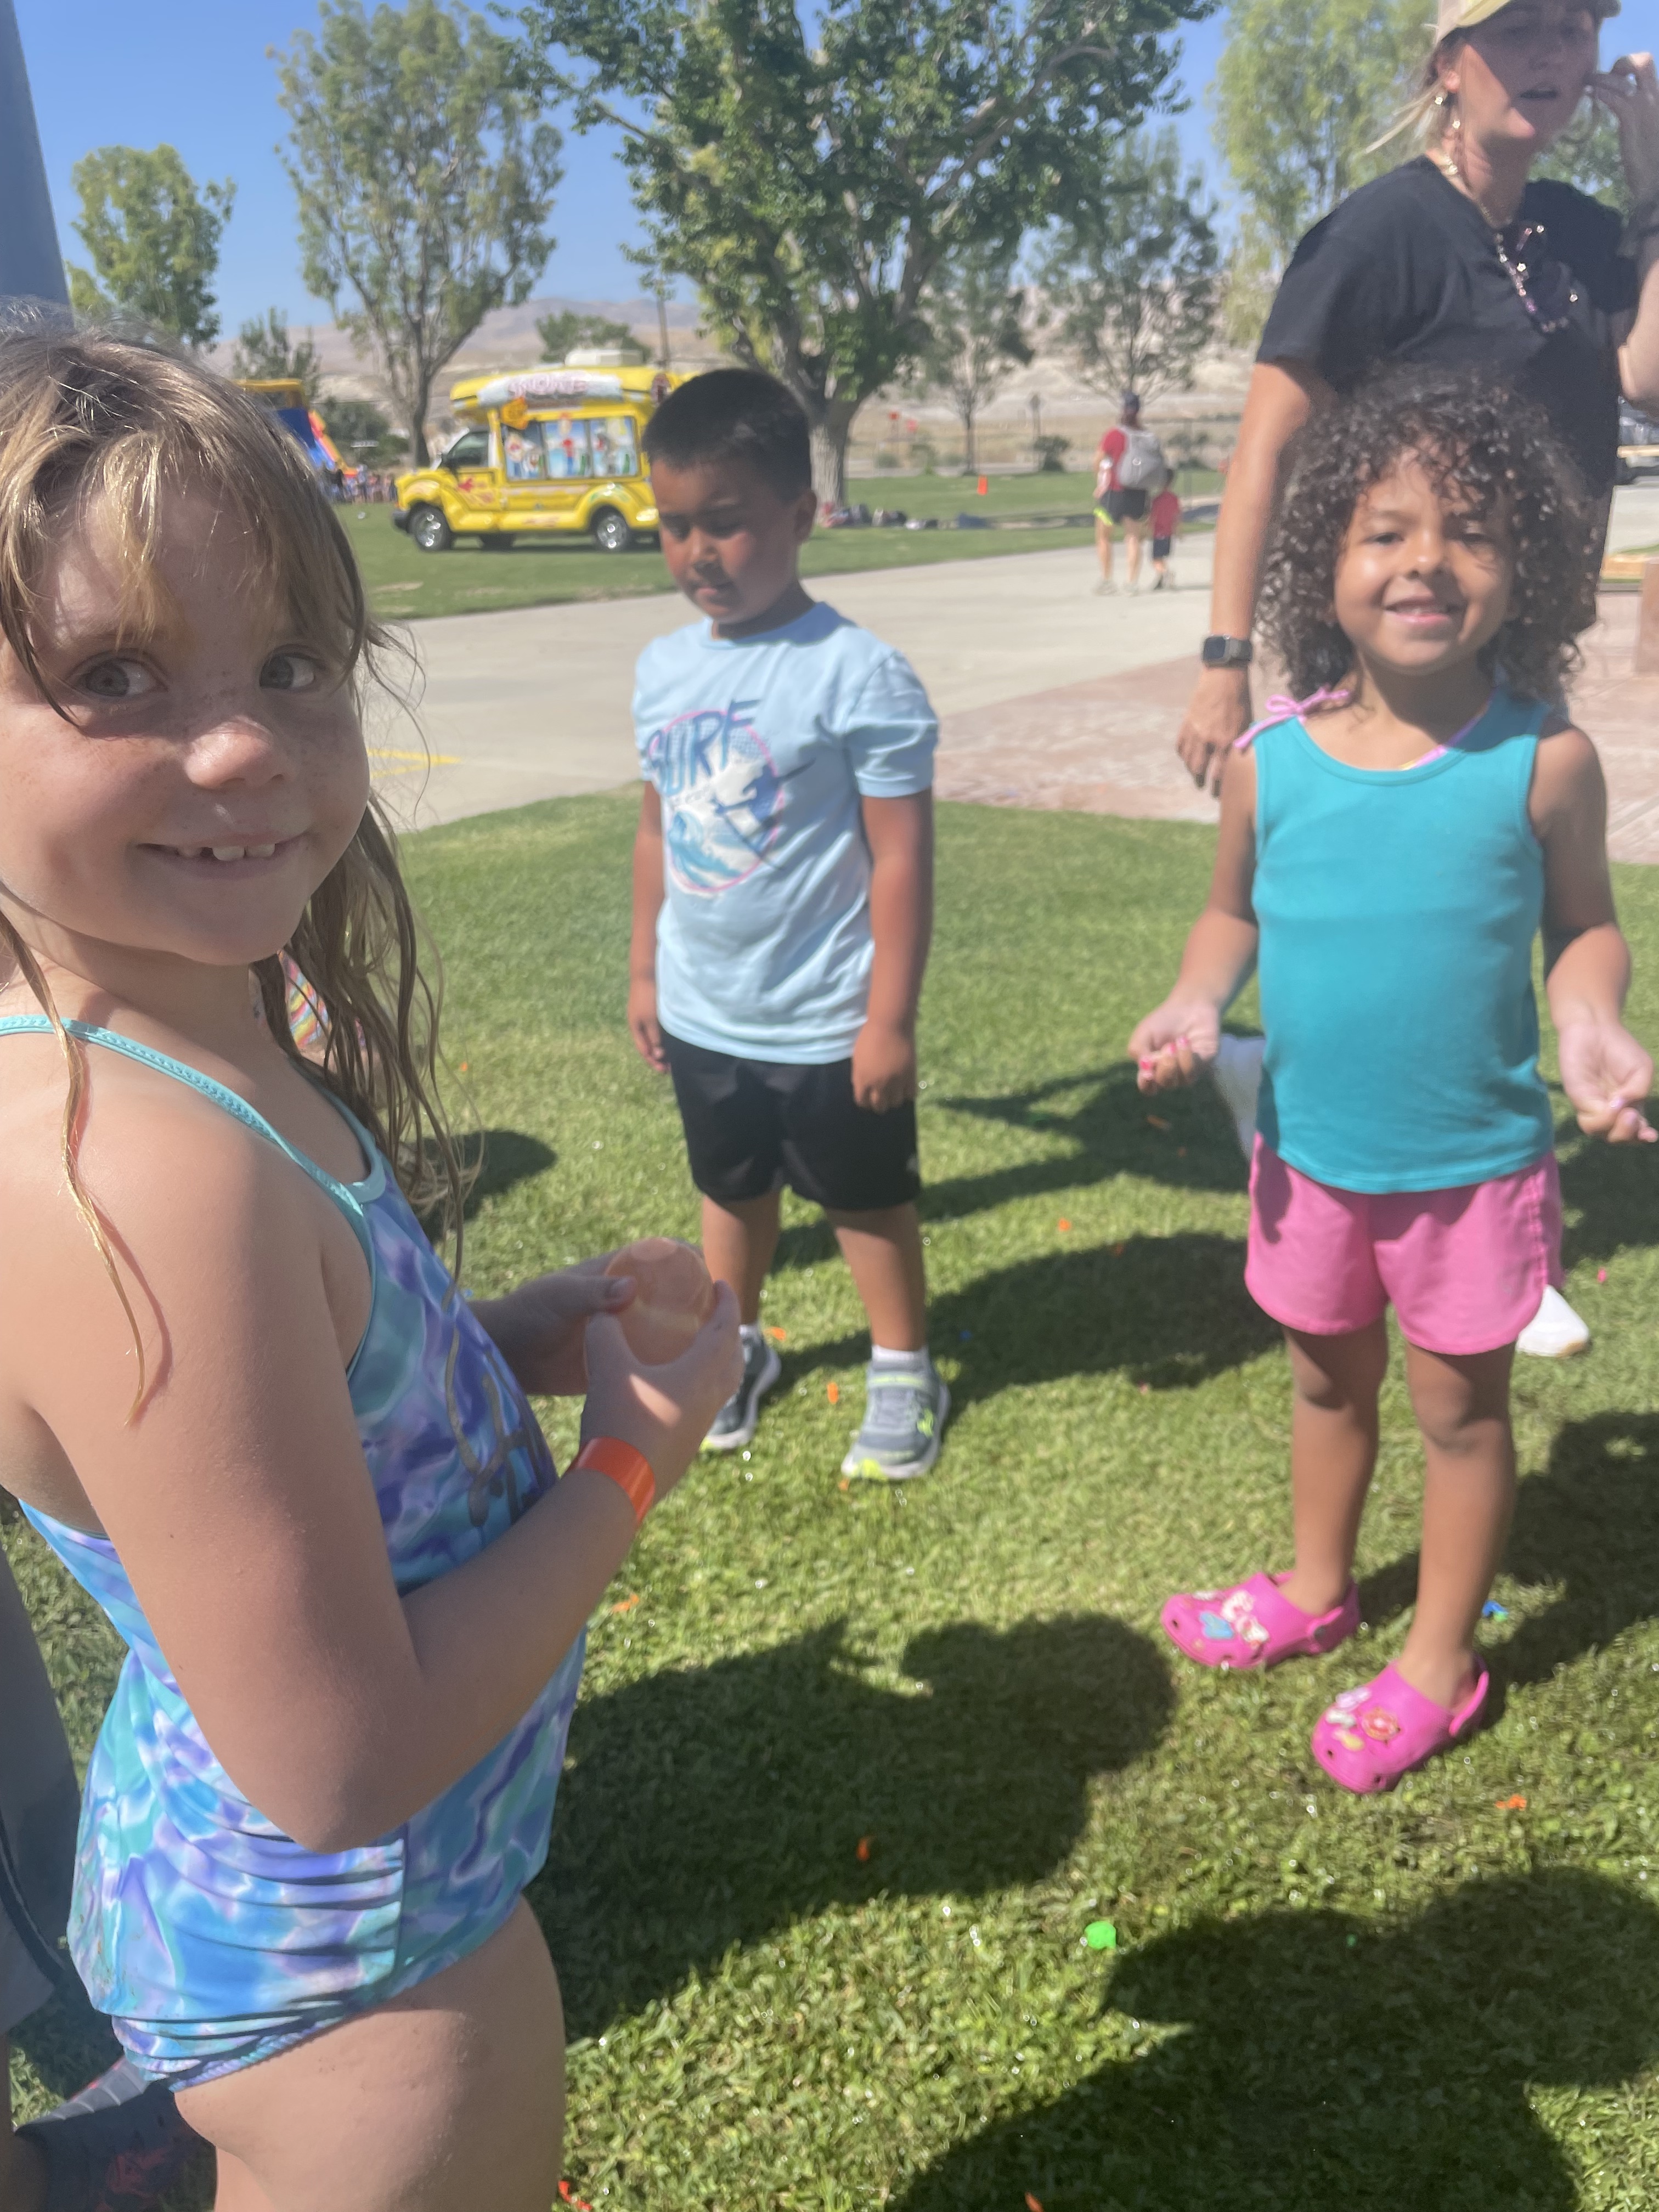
[31,268]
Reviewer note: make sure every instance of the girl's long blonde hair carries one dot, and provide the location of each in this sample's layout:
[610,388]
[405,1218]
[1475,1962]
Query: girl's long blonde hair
[92,421]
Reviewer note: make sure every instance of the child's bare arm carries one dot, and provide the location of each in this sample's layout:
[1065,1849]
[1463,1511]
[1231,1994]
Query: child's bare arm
[1179,1037]
[1604,1071]
[899,832]
[642,943]
[239,1499]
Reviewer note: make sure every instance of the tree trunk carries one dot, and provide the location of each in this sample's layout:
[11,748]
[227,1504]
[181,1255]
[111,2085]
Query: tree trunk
[831,425]
[969,465]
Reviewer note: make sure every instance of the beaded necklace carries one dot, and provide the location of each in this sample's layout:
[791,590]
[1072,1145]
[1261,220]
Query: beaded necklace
[1529,237]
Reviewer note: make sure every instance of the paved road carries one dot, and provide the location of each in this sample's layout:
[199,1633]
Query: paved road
[533,703]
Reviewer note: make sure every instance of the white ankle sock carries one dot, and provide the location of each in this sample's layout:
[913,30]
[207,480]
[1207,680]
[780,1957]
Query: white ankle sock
[880,1355]
[749,1331]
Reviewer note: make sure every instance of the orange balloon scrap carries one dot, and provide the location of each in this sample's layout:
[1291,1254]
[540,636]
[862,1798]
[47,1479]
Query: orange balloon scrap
[627,1604]
[832,1392]
[1156,1121]
[1062,1226]
[864,1842]
[1511,1804]
[777,1335]
[1033,2203]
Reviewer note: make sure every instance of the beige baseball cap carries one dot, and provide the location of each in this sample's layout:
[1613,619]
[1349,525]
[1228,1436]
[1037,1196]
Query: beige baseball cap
[1464,14]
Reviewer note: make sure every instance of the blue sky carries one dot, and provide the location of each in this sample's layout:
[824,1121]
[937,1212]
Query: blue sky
[196,73]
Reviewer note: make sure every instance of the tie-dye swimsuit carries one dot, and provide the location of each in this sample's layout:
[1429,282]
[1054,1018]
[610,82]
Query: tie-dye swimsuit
[212,1939]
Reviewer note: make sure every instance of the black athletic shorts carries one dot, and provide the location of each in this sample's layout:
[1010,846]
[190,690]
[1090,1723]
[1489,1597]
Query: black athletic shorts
[752,1126]
[1161,548]
[1127,506]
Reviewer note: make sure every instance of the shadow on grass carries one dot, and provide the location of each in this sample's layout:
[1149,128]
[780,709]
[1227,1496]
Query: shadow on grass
[1589,1526]
[1321,2064]
[1111,1130]
[728,1801]
[1612,1189]
[500,1158]
[1167,1311]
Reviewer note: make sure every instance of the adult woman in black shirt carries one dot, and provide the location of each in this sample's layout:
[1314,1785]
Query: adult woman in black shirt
[1455,257]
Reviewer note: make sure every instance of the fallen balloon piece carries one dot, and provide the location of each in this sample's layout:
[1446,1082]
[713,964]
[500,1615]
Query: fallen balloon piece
[832,1392]
[1511,1804]
[865,1842]
[627,1604]
[1100,1935]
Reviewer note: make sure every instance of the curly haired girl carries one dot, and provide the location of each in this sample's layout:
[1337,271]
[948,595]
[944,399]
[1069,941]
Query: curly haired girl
[238,1397]
[1389,847]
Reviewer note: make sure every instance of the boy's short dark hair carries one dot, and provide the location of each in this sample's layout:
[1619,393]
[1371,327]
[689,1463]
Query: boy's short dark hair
[735,414]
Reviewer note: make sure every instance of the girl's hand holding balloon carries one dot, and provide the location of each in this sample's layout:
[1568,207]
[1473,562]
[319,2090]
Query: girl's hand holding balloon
[662,1365]
[1606,1075]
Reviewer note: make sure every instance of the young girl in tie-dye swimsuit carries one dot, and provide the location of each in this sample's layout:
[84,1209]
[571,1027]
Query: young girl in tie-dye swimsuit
[240,1397]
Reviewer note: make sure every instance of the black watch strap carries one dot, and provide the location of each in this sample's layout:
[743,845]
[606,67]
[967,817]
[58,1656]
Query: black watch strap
[1226,652]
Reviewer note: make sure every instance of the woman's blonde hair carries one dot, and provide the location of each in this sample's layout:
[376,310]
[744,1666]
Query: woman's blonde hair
[94,422]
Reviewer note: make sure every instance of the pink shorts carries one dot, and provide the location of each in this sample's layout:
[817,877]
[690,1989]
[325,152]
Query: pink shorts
[1464,1269]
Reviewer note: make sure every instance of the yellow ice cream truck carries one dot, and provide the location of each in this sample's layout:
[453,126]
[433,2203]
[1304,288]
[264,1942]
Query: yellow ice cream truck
[543,450]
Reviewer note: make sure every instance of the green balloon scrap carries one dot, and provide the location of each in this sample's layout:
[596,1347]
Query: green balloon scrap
[1100,1935]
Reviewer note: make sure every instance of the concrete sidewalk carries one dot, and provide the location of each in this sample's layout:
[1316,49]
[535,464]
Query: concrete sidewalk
[533,702]
[1049,695]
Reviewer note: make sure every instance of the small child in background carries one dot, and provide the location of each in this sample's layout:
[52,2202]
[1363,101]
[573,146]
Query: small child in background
[1165,521]
[1390,848]
[783,900]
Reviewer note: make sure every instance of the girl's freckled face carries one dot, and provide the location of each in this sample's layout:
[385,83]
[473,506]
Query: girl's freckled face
[209,768]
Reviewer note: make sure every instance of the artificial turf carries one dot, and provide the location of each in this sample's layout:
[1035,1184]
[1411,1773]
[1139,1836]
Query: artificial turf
[853,1769]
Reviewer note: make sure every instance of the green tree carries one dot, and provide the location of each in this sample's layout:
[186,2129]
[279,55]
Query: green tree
[1302,90]
[559,334]
[264,350]
[976,337]
[361,433]
[424,180]
[154,239]
[809,168]
[1588,156]
[1134,283]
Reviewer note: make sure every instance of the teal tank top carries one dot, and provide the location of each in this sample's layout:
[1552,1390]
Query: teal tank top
[1397,909]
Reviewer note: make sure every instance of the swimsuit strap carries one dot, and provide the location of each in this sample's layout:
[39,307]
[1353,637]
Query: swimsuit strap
[342,1194]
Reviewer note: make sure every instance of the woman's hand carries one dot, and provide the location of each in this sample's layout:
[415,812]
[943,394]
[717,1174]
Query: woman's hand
[1606,1075]
[1630,93]
[541,1328]
[1175,1043]
[663,1411]
[1218,712]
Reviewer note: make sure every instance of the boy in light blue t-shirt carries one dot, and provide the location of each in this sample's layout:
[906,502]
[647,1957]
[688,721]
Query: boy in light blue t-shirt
[783,899]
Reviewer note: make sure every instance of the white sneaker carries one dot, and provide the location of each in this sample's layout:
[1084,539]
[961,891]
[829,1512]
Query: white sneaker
[1555,1331]
[1237,1069]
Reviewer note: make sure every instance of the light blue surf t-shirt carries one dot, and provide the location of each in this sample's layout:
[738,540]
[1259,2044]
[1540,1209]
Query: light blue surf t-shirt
[760,749]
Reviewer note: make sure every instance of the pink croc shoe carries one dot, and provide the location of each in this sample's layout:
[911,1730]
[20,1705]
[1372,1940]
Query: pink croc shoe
[1251,1625]
[1373,1736]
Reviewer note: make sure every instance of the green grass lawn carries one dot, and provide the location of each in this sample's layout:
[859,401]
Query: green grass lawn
[1427,2002]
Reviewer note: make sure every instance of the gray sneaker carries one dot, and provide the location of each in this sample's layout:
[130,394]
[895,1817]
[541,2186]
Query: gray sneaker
[904,1415]
[739,1417]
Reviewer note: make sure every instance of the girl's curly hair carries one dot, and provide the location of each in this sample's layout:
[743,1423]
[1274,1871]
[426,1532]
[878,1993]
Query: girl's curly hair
[1492,455]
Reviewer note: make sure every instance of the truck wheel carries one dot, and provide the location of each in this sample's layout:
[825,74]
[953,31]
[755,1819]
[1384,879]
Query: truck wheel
[429,531]
[496,541]
[611,533]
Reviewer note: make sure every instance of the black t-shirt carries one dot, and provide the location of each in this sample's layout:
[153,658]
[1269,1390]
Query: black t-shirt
[1406,269]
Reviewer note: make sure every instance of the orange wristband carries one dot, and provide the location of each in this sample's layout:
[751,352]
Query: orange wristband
[629,1469]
